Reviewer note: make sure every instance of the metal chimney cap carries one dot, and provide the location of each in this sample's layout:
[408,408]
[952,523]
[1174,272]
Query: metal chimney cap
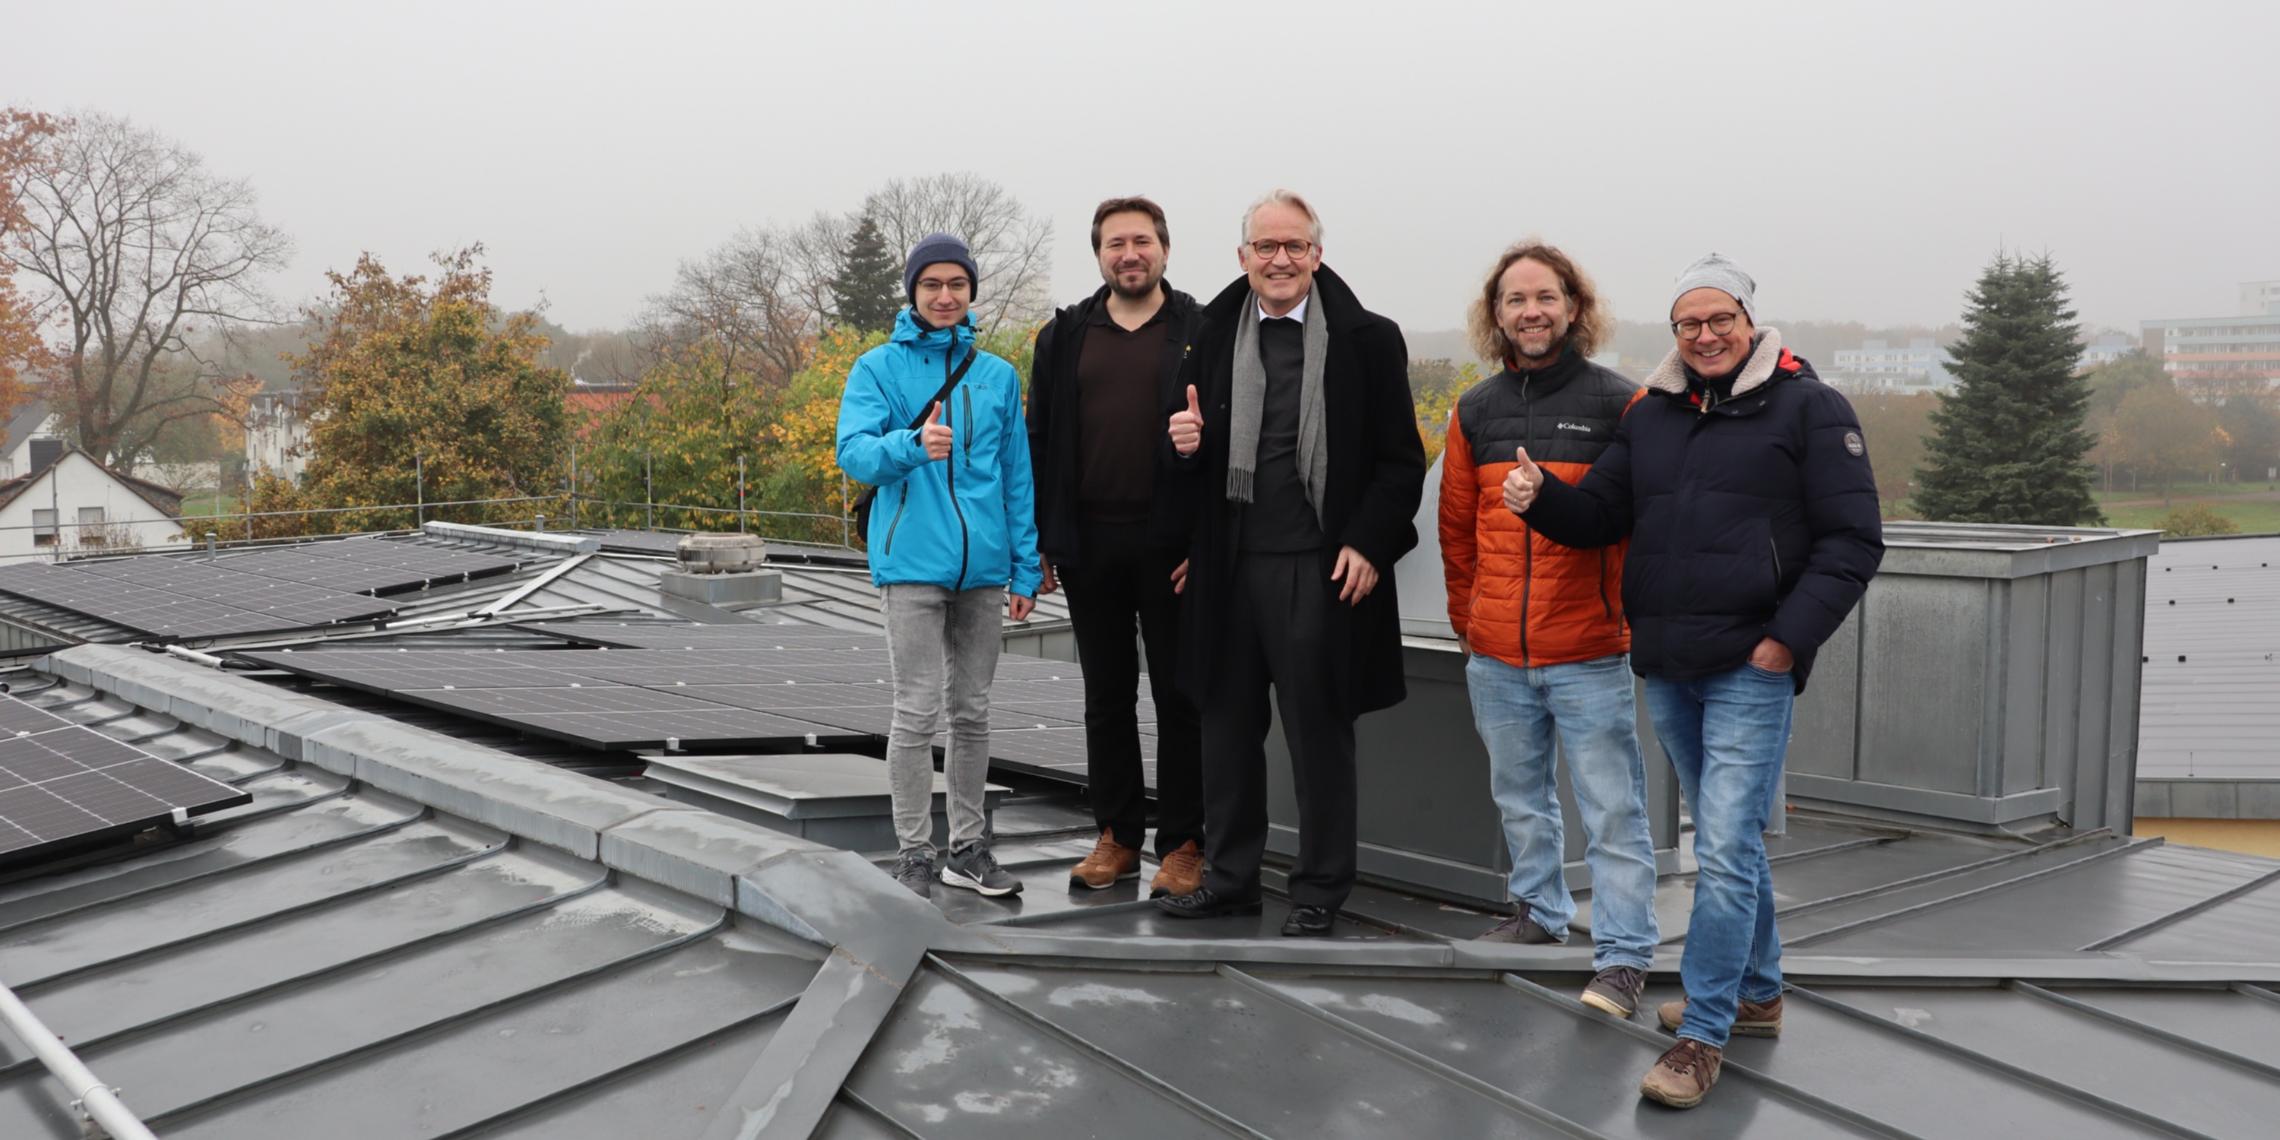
[721,553]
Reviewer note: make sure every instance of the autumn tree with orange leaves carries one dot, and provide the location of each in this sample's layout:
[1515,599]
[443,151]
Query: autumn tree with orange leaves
[418,374]
[21,159]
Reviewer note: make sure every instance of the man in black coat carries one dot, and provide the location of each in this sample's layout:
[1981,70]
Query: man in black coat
[1744,485]
[1114,532]
[1299,441]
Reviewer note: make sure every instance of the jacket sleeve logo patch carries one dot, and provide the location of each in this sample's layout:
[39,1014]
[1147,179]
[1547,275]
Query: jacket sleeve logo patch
[1853,443]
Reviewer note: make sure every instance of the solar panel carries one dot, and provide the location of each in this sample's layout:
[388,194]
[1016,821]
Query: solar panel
[648,730]
[663,635]
[623,697]
[670,667]
[367,565]
[1055,748]
[383,672]
[61,782]
[18,718]
[584,710]
[166,597]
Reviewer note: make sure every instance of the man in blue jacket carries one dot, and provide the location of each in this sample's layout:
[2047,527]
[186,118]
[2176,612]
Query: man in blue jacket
[952,538]
[1744,484]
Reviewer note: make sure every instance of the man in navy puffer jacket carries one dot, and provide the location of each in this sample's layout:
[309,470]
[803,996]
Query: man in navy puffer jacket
[1743,483]
[953,537]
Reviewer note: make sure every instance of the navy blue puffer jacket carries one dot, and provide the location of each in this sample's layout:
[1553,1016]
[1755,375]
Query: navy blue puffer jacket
[1752,517]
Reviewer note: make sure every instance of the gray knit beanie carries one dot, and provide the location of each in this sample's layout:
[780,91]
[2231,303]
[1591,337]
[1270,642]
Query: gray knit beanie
[1715,272]
[934,249]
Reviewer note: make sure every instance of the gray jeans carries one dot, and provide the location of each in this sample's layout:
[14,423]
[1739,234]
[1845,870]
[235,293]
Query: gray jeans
[940,644]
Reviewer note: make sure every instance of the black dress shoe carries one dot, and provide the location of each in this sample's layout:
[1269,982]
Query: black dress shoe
[1309,922]
[1207,903]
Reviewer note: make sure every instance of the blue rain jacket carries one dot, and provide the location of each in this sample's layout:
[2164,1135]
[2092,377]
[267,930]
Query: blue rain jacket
[965,522]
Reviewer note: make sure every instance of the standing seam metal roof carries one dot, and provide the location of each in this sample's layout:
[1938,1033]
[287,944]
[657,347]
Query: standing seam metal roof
[406,935]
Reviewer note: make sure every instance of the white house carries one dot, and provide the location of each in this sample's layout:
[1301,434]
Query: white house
[32,421]
[75,506]
[276,437]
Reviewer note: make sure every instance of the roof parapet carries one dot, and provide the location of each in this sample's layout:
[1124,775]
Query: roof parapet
[501,536]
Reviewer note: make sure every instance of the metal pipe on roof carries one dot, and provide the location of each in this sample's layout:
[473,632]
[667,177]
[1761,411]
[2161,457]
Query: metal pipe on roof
[95,1100]
[206,659]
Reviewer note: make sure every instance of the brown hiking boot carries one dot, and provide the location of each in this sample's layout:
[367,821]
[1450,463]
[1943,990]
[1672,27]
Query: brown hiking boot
[1684,1074]
[1751,1019]
[1109,862]
[1615,990]
[1180,873]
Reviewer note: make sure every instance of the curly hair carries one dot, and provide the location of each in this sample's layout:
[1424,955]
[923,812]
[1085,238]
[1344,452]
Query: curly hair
[1587,332]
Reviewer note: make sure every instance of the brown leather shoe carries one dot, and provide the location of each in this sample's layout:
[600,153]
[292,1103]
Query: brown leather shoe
[1751,1019]
[1684,1074]
[1180,873]
[1109,862]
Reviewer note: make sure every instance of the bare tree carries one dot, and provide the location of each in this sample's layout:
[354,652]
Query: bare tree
[138,248]
[746,299]
[1012,246]
[761,297]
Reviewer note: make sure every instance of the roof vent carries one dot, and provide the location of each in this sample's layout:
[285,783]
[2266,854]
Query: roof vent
[721,553]
[722,570]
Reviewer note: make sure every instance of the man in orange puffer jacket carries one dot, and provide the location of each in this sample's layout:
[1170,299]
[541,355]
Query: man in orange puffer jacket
[1543,623]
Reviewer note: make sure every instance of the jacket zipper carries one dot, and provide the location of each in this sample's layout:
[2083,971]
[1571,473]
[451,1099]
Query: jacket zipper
[1776,549]
[965,540]
[1527,534]
[892,524]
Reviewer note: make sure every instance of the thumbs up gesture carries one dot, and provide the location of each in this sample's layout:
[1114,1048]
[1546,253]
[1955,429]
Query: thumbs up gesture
[1521,485]
[935,436]
[1187,426]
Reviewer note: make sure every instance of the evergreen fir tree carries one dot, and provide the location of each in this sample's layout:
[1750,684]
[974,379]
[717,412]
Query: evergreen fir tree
[869,286]
[2009,445]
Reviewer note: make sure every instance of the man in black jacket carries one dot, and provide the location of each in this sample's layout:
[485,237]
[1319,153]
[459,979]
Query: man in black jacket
[1114,534]
[1299,442]
[1744,484]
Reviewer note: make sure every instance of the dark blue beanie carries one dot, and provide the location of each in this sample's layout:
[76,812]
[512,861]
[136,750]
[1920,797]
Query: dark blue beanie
[934,249]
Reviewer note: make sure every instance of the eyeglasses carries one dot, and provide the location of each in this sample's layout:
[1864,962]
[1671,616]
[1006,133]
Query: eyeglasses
[1690,328]
[1264,248]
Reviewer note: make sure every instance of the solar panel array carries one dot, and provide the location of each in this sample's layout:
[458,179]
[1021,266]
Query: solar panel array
[169,598]
[367,565]
[260,591]
[739,685]
[60,782]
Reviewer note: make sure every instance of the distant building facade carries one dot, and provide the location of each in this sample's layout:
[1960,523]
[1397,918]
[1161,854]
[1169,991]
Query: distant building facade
[2105,348]
[1921,365]
[2214,356]
[276,437]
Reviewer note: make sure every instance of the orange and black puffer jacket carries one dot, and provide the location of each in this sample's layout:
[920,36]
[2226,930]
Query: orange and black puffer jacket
[1513,594]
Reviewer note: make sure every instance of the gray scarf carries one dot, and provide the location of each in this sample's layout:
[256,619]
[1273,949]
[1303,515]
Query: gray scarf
[1249,398]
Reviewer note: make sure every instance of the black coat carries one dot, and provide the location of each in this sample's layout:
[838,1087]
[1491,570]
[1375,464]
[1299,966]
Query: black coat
[1376,479]
[1751,517]
[1054,426]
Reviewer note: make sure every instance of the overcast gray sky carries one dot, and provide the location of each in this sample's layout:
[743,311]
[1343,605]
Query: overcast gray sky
[1862,160]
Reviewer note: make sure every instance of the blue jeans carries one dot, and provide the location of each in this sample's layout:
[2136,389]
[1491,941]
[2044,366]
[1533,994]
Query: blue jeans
[1726,735]
[1589,704]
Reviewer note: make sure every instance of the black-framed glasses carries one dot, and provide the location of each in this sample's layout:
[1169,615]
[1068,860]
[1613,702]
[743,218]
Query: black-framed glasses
[1264,248]
[1719,325]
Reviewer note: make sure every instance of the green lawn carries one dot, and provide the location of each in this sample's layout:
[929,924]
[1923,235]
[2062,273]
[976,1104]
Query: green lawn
[2254,506]
[210,503]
